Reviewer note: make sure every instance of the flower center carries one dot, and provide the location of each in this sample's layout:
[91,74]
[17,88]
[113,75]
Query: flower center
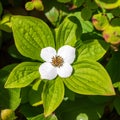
[57,61]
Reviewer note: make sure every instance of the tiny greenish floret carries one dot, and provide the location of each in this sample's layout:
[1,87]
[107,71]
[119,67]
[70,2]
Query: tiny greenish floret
[57,63]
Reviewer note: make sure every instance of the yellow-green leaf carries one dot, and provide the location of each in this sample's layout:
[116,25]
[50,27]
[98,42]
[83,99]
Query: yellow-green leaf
[53,94]
[90,78]
[23,74]
[31,35]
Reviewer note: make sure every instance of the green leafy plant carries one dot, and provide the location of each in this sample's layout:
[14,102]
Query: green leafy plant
[88,75]
[66,61]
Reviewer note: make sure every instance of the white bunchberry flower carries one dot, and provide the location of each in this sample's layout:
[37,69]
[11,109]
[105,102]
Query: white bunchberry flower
[57,63]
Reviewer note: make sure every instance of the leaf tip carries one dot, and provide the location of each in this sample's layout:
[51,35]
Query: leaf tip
[7,85]
[111,92]
[46,114]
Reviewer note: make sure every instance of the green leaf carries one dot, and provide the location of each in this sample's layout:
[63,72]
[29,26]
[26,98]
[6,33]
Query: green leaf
[116,12]
[53,94]
[35,94]
[92,49]
[108,4]
[111,34]
[115,21]
[68,32]
[87,26]
[101,99]
[113,67]
[5,23]
[86,13]
[91,4]
[9,98]
[12,50]
[69,95]
[23,74]
[29,112]
[42,117]
[53,15]
[100,21]
[24,94]
[90,78]
[81,106]
[78,3]
[117,104]
[31,35]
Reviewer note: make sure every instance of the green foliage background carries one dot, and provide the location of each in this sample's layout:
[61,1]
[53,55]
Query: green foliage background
[93,90]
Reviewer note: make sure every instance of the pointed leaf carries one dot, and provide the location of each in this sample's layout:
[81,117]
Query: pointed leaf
[68,32]
[53,94]
[92,49]
[89,78]
[31,35]
[23,74]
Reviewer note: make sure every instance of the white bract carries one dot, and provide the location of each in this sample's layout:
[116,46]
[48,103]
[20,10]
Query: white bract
[57,63]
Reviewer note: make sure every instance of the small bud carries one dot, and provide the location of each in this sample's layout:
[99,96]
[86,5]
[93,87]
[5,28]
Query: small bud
[29,6]
[7,114]
[38,5]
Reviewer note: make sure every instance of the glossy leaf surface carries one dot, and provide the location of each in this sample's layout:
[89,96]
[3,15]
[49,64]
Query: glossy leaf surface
[90,78]
[92,49]
[68,32]
[30,39]
[22,75]
[53,94]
